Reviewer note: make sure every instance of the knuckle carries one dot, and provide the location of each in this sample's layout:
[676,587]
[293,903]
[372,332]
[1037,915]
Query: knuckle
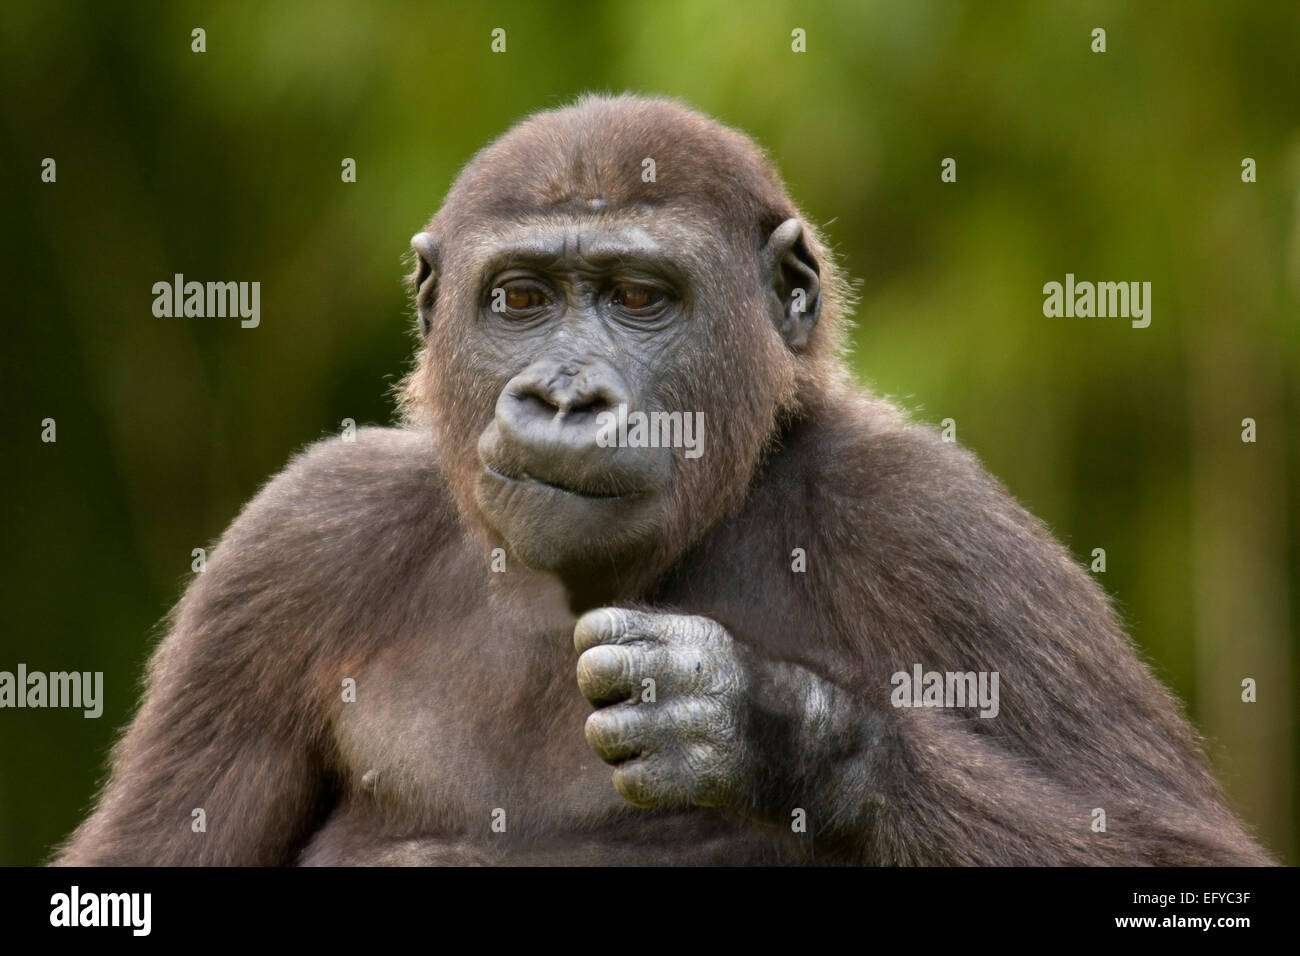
[592,629]
[605,662]
[604,730]
[635,782]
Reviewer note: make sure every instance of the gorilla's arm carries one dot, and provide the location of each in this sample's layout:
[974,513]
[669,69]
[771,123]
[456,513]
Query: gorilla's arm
[690,716]
[206,737]
[227,720]
[239,697]
[925,561]
[924,787]
[214,733]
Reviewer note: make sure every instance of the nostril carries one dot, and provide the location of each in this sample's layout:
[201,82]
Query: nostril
[571,399]
[535,404]
[551,395]
[584,402]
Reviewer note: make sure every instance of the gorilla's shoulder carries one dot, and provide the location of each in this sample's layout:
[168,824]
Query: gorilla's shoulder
[916,508]
[376,465]
[894,471]
[348,495]
[319,549]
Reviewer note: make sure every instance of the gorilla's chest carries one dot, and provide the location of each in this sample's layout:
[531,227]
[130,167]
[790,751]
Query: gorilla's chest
[470,748]
[474,728]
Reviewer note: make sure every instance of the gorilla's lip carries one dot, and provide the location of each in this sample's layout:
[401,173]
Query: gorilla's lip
[525,478]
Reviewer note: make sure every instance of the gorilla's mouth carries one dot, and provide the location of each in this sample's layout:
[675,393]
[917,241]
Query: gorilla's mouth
[525,477]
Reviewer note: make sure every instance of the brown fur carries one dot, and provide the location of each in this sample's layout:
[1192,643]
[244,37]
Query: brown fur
[368,560]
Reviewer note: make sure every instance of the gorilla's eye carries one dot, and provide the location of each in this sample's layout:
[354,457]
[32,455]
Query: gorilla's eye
[522,298]
[636,298]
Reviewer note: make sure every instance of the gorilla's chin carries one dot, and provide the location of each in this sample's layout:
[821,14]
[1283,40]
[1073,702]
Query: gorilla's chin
[555,529]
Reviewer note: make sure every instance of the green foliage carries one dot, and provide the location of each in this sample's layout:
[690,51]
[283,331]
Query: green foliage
[225,164]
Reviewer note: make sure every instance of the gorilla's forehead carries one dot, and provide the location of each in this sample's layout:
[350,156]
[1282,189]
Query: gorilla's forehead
[672,244]
[617,154]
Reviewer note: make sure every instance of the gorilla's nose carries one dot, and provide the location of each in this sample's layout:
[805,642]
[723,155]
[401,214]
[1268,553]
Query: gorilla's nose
[557,404]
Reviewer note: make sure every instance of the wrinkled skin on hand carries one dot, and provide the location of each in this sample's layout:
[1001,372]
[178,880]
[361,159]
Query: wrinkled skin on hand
[672,694]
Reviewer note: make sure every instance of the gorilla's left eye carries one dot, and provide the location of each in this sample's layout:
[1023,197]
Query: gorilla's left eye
[636,298]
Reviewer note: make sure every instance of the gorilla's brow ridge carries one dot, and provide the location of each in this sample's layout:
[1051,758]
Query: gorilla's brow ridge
[599,253]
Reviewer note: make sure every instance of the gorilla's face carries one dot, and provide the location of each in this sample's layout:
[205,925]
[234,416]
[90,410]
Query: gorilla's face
[585,316]
[607,354]
[604,383]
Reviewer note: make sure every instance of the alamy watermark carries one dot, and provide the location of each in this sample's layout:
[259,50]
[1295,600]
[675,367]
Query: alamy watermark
[58,689]
[75,908]
[624,429]
[1125,300]
[214,300]
[923,688]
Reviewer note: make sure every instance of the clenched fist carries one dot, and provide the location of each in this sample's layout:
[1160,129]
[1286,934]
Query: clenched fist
[672,693]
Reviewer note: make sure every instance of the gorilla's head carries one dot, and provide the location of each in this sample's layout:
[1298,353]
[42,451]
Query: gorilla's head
[604,280]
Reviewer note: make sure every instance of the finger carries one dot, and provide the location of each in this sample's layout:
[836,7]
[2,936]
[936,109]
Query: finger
[614,672]
[617,733]
[614,625]
[596,627]
[607,673]
[649,782]
[622,625]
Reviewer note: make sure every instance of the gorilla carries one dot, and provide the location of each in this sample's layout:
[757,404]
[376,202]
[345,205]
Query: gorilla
[430,644]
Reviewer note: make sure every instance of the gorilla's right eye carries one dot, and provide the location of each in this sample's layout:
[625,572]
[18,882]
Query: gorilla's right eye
[518,298]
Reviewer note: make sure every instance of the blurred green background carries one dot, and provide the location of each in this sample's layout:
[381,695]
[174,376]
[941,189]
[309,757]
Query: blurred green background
[225,165]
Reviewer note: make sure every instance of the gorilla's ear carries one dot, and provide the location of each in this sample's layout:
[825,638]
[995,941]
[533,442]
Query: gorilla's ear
[426,277]
[793,274]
